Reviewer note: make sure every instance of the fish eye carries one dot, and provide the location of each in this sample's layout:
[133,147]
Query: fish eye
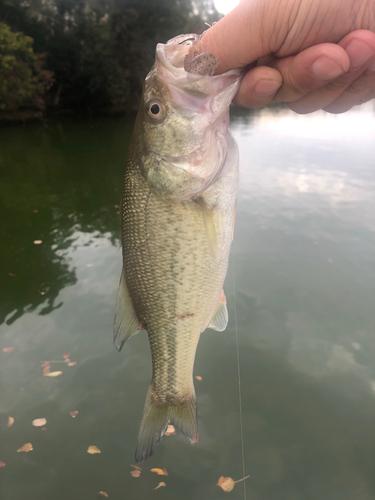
[155,109]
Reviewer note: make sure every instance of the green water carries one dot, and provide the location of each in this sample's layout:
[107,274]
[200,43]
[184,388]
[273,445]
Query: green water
[301,281]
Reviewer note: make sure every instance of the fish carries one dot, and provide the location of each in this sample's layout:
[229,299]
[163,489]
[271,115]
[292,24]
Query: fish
[177,215]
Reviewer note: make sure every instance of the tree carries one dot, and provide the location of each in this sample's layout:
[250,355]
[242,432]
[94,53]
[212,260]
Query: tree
[101,50]
[23,81]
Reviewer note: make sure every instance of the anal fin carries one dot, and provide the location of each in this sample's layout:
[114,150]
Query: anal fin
[126,320]
[219,319]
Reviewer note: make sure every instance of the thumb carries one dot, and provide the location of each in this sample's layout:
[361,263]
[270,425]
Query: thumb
[259,28]
[240,38]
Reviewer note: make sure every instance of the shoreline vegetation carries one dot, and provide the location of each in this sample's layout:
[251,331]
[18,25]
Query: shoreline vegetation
[85,57]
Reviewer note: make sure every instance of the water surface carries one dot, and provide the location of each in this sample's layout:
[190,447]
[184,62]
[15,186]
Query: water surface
[301,282]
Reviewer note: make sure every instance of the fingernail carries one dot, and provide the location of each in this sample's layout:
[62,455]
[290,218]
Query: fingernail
[266,88]
[359,53]
[325,68]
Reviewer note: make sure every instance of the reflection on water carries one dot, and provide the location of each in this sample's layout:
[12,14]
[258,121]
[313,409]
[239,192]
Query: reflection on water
[303,265]
[53,179]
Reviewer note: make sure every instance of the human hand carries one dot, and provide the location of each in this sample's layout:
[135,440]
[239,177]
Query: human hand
[299,65]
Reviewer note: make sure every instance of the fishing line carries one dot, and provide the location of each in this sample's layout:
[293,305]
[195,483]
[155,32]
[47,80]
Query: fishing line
[239,379]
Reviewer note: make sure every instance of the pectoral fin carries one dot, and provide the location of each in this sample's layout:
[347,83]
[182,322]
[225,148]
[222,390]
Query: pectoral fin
[209,227]
[126,320]
[219,319]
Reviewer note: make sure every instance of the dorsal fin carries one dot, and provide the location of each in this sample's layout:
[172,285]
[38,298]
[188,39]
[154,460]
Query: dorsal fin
[126,320]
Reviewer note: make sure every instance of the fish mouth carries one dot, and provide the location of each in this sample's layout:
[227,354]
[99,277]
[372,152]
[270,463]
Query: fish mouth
[172,57]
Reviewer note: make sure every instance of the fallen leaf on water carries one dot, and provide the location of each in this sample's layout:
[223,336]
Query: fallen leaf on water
[66,355]
[39,422]
[35,211]
[135,473]
[227,483]
[10,421]
[46,370]
[2,464]
[38,242]
[93,449]
[26,447]
[136,467]
[72,363]
[160,485]
[104,493]
[8,349]
[54,374]
[73,413]
[198,377]
[160,472]
[170,430]
[14,275]
[42,293]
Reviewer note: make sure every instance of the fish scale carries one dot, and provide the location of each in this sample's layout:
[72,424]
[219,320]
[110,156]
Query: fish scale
[183,281]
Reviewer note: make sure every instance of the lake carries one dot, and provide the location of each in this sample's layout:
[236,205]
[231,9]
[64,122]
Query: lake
[301,301]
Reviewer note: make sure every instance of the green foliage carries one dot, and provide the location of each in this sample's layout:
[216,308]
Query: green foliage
[23,82]
[101,50]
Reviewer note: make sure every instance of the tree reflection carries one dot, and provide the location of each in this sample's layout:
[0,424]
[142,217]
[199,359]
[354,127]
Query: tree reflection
[54,180]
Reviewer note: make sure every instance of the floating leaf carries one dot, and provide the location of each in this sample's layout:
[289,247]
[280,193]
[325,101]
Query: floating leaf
[198,377]
[72,363]
[42,293]
[66,355]
[54,374]
[2,464]
[73,413]
[160,485]
[160,472]
[38,242]
[46,370]
[227,483]
[136,467]
[10,421]
[35,211]
[8,349]
[26,447]
[39,422]
[13,275]
[104,493]
[93,449]
[170,430]
[135,473]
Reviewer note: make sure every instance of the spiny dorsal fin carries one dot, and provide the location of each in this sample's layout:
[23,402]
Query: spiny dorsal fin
[219,319]
[126,321]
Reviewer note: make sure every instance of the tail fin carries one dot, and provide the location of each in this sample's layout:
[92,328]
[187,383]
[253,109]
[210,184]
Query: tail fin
[155,421]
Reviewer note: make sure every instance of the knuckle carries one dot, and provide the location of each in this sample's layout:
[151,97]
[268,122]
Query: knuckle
[358,86]
[336,85]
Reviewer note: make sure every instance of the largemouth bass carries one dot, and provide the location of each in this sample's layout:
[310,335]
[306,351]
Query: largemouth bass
[178,210]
